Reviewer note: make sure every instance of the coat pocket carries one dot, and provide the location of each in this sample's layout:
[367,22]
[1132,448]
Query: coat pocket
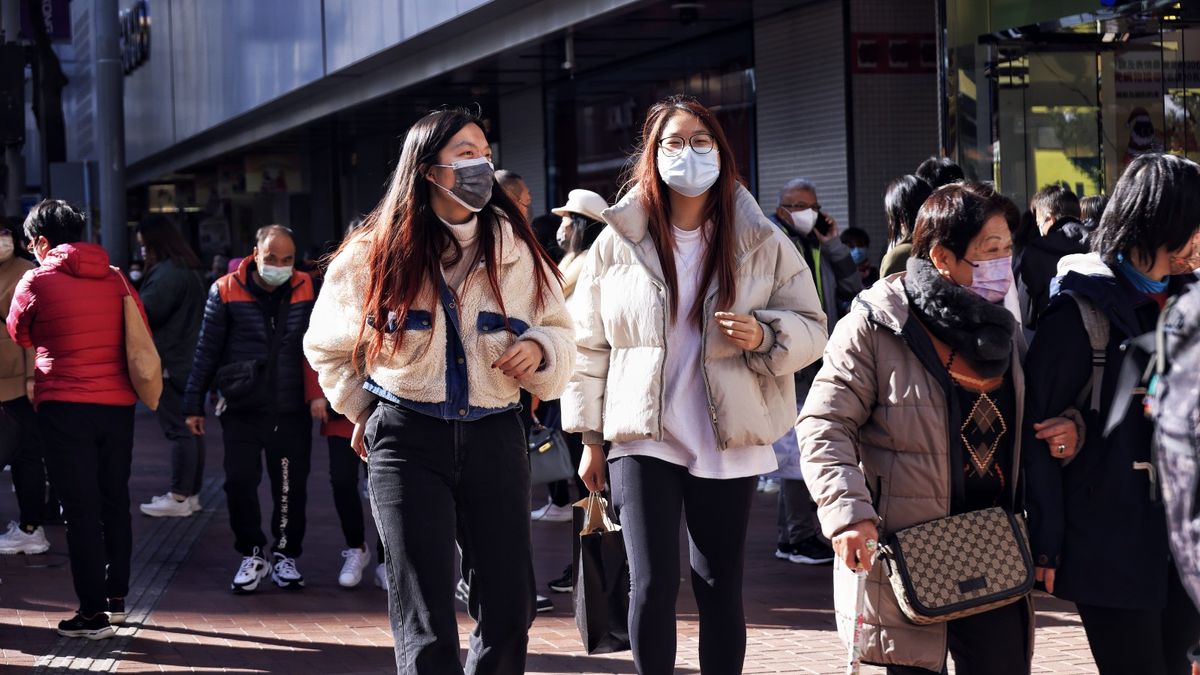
[497,334]
[416,319]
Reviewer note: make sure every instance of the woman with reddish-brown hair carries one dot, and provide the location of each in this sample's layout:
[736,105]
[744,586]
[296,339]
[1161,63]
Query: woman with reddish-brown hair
[691,315]
[434,314]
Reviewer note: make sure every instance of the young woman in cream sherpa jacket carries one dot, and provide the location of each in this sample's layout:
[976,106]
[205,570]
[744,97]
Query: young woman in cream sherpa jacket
[429,322]
[692,314]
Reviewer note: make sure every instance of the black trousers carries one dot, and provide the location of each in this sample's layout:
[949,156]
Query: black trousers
[992,643]
[650,496]
[344,465]
[435,483]
[187,449]
[797,519]
[287,443]
[560,492]
[89,449]
[1143,642]
[28,467]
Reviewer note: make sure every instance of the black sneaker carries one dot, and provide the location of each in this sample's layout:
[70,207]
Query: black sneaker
[812,551]
[116,611]
[565,583]
[785,551]
[95,628]
[544,604]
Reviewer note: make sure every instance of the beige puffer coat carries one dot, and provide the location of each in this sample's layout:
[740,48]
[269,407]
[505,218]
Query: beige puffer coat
[620,312]
[875,402]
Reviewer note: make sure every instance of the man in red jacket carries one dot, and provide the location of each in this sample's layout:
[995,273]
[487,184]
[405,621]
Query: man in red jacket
[70,309]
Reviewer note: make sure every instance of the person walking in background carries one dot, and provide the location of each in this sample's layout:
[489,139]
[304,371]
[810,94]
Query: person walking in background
[924,352]
[580,224]
[250,348]
[939,171]
[173,294]
[1091,209]
[70,309]
[22,448]
[1056,212]
[515,186]
[692,314]
[901,202]
[432,319]
[838,282]
[1096,518]
[860,251]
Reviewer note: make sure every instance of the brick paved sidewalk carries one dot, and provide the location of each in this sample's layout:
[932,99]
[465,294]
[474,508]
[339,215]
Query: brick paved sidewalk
[185,619]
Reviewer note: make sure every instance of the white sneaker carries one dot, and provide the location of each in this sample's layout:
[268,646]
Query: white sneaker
[771,486]
[357,560]
[16,540]
[193,503]
[381,576]
[167,506]
[284,573]
[253,569]
[552,513]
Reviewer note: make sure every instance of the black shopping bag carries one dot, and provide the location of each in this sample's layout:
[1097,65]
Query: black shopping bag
[601,581]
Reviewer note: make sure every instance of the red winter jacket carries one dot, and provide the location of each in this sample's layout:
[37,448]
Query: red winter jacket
[71,310]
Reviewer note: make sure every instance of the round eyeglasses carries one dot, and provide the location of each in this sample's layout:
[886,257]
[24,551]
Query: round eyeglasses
[673,146]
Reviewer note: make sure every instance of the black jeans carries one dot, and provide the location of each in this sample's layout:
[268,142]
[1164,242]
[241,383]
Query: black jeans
[28,467]
[560,491]
[797,518]
[344,465]
[1145,642]
[992,643]
[187,449]
[89,449]
[287,441]
[435,483]
[650,496]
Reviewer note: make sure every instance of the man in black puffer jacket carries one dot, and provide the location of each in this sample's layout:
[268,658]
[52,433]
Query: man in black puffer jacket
[1056,210]
[250,349]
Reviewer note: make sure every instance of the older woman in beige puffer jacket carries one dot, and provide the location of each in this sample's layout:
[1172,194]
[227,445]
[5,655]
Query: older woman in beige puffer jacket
[880,433]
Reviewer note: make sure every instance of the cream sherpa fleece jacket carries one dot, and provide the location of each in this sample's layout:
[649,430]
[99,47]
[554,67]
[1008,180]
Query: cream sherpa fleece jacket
[417,372]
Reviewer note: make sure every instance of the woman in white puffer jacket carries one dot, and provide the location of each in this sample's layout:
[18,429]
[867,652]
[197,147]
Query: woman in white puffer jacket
[691,315]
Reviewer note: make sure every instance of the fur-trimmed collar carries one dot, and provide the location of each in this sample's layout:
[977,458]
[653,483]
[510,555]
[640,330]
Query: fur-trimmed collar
[979,331]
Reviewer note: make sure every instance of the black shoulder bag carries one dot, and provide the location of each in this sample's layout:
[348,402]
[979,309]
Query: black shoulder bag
[246,385]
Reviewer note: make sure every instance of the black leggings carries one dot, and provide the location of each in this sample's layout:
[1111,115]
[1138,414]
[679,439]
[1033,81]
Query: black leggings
[344,464]
[1146,642]
[650,496]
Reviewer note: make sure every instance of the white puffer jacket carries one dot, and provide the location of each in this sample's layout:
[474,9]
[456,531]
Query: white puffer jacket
[621,314]
[417,372]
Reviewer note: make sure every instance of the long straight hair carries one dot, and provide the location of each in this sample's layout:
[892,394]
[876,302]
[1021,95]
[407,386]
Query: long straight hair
[408,241]
[654,199]
[165,242]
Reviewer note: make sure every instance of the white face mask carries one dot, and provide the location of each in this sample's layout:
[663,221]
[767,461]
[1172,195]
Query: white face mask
[690,173]
[274,276]
[804,221]
[562,237]
[135,276]
[6,248]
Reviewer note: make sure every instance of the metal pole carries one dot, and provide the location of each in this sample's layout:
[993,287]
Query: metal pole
[10,21]
[943,72]
[110,130]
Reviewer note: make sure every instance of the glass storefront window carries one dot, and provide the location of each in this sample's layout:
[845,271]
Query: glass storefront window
[1069,91]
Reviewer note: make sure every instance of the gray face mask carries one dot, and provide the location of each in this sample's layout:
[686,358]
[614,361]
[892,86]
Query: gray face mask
[473,180]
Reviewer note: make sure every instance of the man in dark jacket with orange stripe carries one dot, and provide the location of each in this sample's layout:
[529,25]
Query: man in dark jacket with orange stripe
[250,350]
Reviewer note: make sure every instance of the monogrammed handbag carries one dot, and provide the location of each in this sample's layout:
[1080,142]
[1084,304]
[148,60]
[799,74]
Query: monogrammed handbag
[959,566]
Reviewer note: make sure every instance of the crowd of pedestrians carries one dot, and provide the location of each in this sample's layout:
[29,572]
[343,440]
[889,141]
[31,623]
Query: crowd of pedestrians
[688,347]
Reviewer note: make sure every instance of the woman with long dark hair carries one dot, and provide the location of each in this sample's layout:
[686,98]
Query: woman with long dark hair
[1096,517]
[432,317]
[692,313]
[174,295]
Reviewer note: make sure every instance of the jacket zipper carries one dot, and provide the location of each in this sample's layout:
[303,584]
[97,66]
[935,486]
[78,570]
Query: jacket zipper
[712,409]
[662,368]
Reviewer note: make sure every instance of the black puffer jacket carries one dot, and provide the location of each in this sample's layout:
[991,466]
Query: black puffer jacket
[235,329]
[1037,265]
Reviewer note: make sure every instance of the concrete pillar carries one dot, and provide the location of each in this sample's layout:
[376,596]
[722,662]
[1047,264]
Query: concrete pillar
[110,129]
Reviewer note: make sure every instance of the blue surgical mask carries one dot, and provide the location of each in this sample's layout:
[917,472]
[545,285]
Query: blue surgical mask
[1139,280]
[858,254]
